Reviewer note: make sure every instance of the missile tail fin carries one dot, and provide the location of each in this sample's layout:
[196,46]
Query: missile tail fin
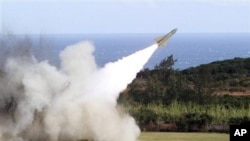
[164,44]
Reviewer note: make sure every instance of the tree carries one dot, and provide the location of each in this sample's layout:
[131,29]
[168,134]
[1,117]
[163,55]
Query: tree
[166,63]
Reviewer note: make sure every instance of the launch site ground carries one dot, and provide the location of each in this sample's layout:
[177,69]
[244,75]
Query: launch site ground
[174,136]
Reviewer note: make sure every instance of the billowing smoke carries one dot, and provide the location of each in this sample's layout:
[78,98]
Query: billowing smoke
[39,102]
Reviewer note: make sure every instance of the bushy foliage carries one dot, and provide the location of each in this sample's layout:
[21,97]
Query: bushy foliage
[190,96]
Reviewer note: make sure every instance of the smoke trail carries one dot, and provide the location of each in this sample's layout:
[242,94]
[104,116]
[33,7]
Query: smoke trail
[39,102]
[115,76]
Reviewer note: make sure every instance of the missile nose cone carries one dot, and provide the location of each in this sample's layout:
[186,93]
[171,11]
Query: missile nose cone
[174,30]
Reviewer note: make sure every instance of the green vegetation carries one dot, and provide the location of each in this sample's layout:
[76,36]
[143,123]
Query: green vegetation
[153,136]
[188,113]
[214,94]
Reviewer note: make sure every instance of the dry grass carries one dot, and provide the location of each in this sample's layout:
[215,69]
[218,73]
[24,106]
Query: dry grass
[173,136]
[235,93]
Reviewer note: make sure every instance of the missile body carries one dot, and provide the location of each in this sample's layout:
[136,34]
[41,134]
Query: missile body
[162,41]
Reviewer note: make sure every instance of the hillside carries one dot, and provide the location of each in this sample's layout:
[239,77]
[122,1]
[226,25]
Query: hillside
[223,77]
[203,98]
[227,77]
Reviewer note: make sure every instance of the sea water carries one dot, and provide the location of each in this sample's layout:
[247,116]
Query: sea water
[189,49]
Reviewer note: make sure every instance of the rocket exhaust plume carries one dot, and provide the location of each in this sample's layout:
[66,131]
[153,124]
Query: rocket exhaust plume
[39,102]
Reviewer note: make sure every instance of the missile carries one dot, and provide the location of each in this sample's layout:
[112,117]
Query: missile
[162,41]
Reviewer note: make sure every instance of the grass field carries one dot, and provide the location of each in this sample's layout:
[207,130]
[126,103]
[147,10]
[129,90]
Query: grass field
[173,136]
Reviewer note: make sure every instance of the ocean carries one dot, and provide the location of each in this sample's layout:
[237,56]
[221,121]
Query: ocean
[190,49]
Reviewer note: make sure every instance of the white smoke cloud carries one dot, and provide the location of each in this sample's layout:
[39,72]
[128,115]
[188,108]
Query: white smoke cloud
[39,102]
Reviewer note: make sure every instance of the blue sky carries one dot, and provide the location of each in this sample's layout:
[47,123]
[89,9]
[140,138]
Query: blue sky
[123,16]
